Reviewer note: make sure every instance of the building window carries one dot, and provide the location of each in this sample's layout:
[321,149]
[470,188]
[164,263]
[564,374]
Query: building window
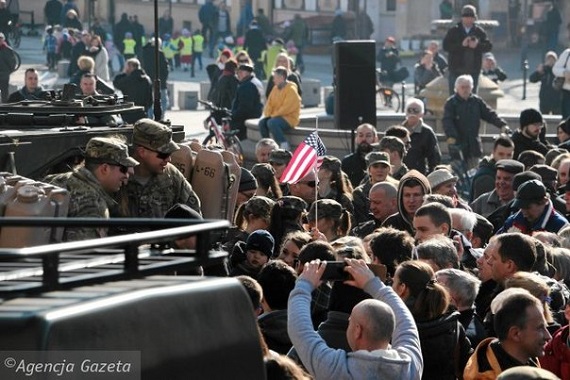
[390,5]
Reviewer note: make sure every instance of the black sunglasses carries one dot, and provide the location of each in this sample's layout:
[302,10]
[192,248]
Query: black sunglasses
[310,183]
[413,110]
[160,155]
[123,169]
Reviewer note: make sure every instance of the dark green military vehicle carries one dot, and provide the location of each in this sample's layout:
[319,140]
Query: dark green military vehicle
[40,137]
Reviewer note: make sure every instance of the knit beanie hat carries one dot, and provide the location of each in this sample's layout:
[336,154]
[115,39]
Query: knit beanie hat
[261,241]
[530,116]
[565,126]
[247,181]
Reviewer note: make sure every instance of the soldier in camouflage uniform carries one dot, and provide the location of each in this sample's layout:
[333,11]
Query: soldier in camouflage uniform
[157,185]
[107,167]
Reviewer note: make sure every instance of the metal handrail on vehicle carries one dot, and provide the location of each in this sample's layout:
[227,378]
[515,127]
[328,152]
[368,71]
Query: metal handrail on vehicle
[126,245]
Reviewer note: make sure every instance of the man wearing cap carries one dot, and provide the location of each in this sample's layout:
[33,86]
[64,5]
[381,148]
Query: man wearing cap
[247,102]
[396,148]
[503,192]
[501,214]
[549,177]
[423,154]
[7,66]
[279,159]
[491,70]
[536,211]
[443,182]
[465,44]
[106,168]
[156,185]
[389,58]
[530,136]
[484,179]
[282,109]
[462,115]
[378,171]
[354,164]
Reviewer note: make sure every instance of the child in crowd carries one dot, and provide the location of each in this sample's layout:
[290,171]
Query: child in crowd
[130,46]
[198,45]
[50,46]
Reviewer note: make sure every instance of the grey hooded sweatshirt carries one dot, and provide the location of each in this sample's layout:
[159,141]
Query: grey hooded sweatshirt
[401,360]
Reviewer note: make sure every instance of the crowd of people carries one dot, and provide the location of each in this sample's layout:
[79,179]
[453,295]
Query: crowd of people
[468,287]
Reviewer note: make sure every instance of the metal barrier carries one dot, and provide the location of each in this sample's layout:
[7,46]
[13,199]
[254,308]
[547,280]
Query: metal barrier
[65,265]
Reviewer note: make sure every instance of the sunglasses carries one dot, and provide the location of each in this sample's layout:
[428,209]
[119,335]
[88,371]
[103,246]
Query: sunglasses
[413,110]
[123,169]
[309,183]
[159,155]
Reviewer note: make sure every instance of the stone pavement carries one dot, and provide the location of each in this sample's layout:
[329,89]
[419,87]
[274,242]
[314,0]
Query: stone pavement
[318,67]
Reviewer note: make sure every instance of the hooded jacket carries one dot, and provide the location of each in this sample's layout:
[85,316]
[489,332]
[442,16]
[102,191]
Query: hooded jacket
[402,221]
[489,360]
[401,360]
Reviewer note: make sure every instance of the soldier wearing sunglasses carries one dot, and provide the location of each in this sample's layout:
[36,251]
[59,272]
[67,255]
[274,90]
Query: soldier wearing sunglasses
[106,168]
[157,185]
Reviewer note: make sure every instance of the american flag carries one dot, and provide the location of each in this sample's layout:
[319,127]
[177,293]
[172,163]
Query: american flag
[306,156]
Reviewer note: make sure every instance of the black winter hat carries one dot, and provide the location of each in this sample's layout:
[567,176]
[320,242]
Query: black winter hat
[261,241]
[530,116]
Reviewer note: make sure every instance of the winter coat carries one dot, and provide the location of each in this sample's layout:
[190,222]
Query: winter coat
[136,86]
[550,220]
[424,153]
[445,348]
[284,102]
[401,220]
[464,60]
[556,357]
[225,90]
[462,119]
[549,98]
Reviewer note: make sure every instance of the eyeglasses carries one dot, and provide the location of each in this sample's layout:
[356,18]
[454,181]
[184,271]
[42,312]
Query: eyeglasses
[413,110]
[309,183]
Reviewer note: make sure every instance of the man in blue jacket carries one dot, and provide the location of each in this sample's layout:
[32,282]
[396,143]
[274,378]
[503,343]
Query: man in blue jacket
[373,324]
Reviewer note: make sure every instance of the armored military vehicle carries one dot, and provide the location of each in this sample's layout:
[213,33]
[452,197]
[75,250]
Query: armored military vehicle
[40,137]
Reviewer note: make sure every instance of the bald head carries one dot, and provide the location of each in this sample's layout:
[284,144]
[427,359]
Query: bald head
[383,200]
[371,325]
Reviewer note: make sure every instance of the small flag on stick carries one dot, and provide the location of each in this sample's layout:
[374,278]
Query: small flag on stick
[309,153]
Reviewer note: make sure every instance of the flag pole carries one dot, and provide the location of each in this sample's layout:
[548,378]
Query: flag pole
[315,172]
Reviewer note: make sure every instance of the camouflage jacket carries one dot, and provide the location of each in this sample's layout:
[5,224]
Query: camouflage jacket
[153,198]
[87,199]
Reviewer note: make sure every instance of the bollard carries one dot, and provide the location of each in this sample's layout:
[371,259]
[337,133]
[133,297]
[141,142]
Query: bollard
[525,72]
[403,102]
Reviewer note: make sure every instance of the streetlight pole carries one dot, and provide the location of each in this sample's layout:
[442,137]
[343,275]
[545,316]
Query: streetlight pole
[157,106]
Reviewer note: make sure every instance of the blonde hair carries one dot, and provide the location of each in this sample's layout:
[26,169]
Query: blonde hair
[535,286]
[85,63]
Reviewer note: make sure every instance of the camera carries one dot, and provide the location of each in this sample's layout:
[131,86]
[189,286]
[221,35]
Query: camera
[334,271]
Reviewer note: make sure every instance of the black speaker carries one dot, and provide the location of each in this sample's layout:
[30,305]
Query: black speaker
[355,83]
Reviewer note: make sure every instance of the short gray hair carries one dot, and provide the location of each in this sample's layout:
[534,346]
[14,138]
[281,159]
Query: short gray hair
[416,102]
[465,78]
[463,285]
[467,219]
[440,250]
